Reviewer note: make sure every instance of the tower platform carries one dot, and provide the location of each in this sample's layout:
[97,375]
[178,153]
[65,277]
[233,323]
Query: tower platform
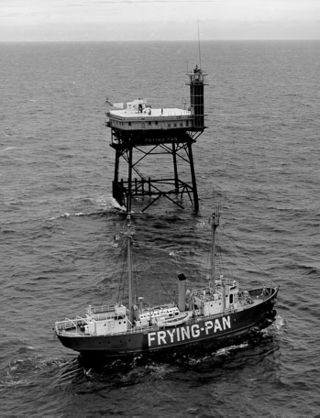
[138,127]
[138,116]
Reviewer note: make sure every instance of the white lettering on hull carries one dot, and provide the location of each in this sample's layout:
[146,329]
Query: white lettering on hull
[171,334]
[188,332]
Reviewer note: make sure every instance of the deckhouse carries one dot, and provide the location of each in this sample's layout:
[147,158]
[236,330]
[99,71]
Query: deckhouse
[138,116]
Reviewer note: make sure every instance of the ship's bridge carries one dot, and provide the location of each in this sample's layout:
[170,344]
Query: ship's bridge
[138,116]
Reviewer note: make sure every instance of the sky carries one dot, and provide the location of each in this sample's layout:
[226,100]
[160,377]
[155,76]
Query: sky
[121,20]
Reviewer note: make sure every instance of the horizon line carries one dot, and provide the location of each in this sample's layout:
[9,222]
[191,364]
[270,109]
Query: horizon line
[161,40]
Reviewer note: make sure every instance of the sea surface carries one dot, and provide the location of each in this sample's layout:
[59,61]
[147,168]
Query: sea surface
[258,161]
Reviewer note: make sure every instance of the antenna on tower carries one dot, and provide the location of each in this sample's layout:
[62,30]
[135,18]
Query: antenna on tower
[199,50]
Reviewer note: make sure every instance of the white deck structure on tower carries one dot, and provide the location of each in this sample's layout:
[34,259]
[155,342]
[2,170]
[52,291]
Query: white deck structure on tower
[137,115]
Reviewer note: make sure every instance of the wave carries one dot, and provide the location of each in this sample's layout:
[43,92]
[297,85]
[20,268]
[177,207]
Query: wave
[307,269]
[6,149]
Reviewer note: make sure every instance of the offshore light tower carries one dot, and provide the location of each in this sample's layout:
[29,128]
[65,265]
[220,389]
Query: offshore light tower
[139,131]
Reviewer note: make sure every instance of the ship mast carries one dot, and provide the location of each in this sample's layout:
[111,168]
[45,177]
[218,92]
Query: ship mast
[129,242]
[129,255]
[214,225]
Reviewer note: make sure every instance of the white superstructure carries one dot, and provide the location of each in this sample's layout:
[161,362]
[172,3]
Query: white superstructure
[137,115]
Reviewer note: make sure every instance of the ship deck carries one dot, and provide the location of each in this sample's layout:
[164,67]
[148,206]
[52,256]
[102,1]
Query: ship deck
[75,327]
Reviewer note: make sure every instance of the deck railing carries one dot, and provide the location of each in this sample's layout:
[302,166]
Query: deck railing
[69,324]
[100,309]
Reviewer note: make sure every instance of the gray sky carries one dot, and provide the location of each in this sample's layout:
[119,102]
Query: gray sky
[109,20]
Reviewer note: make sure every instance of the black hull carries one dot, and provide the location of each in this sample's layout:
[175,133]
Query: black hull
[206,334]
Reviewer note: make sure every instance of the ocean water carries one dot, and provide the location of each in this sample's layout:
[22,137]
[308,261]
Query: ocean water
[258,160]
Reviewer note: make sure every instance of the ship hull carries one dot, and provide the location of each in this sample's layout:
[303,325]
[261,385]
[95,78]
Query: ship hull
[207,333]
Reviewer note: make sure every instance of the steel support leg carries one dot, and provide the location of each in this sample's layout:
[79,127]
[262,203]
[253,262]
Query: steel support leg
[193,177]
[175,169]
[129,191]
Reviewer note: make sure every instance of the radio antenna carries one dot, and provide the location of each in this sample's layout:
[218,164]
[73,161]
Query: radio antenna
[199,50]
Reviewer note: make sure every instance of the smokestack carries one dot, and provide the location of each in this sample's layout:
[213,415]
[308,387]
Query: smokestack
[140,301]
[182,285]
